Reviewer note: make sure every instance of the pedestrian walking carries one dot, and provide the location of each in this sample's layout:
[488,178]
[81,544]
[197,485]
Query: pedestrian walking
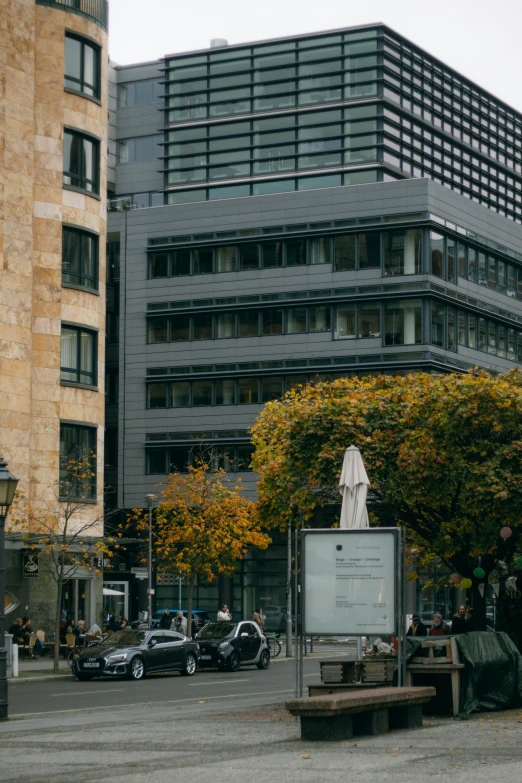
[469,621]
[223,615]
[165,620]
[458,624]
[179,624]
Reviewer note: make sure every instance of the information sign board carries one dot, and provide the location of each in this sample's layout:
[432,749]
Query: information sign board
[349,581]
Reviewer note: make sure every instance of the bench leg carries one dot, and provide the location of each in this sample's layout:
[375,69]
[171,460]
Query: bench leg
[326,727]
[374,722]
[406,717]
[455,691]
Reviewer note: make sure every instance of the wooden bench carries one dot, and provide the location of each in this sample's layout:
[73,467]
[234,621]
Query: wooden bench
[340,716]
[448,663]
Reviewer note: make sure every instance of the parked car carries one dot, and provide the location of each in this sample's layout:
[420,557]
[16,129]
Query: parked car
[136,653]
[199,618]
[231,645]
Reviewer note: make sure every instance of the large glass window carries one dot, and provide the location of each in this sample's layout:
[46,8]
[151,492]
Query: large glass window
[271,389]
[82,65]
[248,390]
[202,393]
[344,253]
[403,322]
[369,250]
[296,252]
[248,323]
[77,462]
[225,325]
[78,355]
[402,252]
[437,324]
[272,254]
[157,395]
[202,326]
[179,328]
[272,321]
[296,322]
[225,391]
[81,161]
[226,259]
[437,254]
[370,319]
[158,330]
[319,318]
[345,322]
[79,258]
[180,394]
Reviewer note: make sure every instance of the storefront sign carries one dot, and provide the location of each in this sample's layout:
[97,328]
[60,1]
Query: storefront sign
[350,581]
[30,565]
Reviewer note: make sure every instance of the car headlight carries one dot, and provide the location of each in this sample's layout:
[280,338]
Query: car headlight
[223,646]
[117,657]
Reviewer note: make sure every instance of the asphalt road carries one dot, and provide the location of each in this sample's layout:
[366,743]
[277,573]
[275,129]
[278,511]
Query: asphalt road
[71,695]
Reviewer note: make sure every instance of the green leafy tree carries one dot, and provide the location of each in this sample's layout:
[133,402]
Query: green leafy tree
[443,453]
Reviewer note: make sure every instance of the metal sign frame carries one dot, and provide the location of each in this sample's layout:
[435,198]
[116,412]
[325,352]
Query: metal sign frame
[399,536]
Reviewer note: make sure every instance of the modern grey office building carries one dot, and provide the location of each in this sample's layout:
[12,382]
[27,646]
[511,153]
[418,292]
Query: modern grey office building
[302,208]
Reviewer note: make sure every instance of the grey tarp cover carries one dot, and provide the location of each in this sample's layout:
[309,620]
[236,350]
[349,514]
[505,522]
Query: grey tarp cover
[492,674]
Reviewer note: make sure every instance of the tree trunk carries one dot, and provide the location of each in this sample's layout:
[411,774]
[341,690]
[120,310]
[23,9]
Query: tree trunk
[479,609]
[56,650]
[190,596]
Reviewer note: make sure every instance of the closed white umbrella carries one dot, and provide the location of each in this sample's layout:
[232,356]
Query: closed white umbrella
[108,591]
[353,486]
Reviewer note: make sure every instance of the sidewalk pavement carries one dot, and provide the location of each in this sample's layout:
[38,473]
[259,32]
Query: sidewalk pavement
[248,740]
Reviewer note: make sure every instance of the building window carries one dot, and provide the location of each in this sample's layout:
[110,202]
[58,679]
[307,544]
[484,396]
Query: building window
[77,462]
[403,322]
[79,258]
[81,155]
[140,150]
[82,66]
[78,355]
[402,252]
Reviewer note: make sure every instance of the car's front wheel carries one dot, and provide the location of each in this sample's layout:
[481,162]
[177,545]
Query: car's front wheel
[190,665]
[264,660]
[234,662]
[137,668]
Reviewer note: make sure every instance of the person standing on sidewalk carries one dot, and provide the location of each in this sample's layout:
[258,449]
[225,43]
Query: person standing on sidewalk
[260,618]
[223,616]
[165,620]
[179,624]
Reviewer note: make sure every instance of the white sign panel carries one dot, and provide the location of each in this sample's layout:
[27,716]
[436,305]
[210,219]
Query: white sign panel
[349,582]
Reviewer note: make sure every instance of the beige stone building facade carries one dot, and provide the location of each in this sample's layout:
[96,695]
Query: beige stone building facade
[53,155]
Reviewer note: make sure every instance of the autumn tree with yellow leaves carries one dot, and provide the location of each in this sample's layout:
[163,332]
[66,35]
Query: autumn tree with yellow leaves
[202,526]
[443,454]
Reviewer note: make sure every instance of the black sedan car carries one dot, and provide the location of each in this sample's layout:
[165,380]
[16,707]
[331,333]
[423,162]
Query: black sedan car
[231,645]
[136,653]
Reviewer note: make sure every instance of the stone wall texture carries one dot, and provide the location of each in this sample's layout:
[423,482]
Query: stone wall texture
[34,109]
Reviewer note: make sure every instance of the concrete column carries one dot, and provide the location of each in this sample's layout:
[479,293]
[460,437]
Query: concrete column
[409,253]
[409,325]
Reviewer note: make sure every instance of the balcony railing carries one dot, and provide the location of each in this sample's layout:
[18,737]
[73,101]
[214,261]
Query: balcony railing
[95,10]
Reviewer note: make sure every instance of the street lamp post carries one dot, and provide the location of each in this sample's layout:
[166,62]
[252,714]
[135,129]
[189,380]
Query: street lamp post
[8,485]
[150,499]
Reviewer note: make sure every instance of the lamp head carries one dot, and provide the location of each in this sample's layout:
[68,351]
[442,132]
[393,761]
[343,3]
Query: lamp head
[8,484]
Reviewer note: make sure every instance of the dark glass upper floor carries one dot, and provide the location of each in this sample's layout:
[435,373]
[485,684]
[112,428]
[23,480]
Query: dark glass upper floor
[331,104]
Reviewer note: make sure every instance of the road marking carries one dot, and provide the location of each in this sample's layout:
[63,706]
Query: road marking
[309,675]
[215,682]
[83,693]
[24,715]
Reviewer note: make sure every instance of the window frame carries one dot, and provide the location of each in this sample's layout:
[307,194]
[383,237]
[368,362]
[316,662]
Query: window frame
[93,334]
[84,41]
[83,233]
[82,178]
[91,482]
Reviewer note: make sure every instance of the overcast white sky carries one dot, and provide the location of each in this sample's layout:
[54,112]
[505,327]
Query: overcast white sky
[479,38]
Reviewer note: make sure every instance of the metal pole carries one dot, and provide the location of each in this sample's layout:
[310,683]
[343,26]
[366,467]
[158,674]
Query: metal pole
[179,594]
[296,584]
[289,594]
[150,498]
[4,704]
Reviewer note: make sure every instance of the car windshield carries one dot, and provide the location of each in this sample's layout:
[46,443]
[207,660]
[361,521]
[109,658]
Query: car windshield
[216,631]
[124,639]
